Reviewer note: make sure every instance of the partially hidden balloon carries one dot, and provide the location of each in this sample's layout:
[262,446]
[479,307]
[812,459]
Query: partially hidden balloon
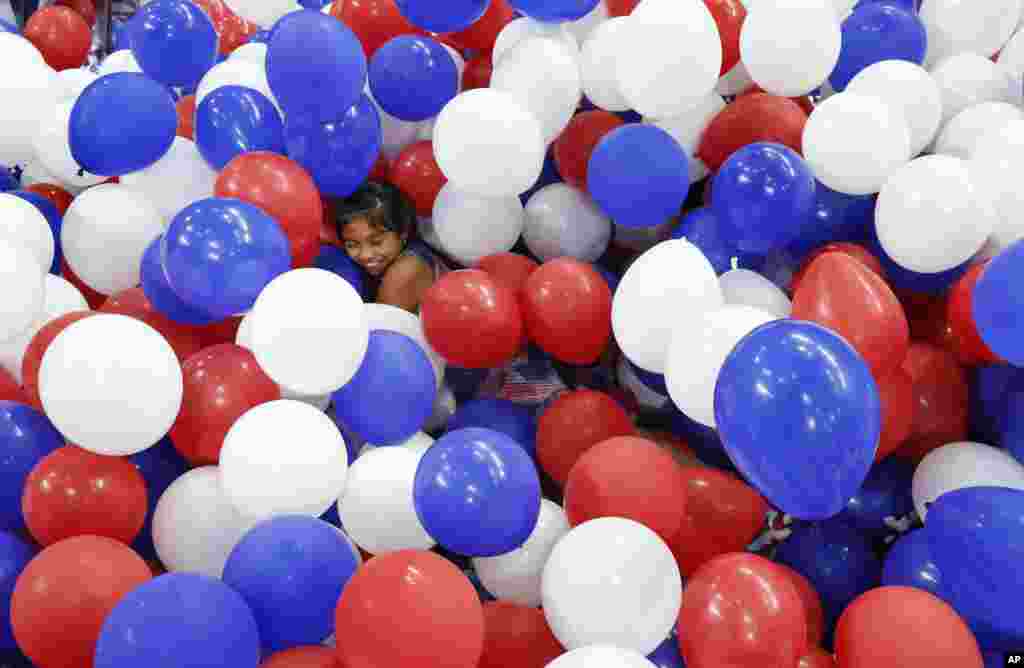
[453,16]
[752,118]
[883,499]
[28,437]
[910,563]
[413,77]
[997,308]
[233,120]
[373,21]
[174,42]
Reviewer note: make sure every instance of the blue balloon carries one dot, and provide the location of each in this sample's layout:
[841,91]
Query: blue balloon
[464,383]
[990,401]
[159,465]
[994,659]
[875,32]
[233,120]
[798,412]
[7,26]
[314,4]
[413,77]
[291,571]
[331,514]
[8,181]
[174,42]
[315,66]
[441,17]
[998,305]
[838,561]
[219,254]
[909,563]
[554,11]
[180,620]
[639,175]
[885,494]
[548,175]
[26,436]
[667,654]
[702,228]
[908,5]
[901,278]
[159,293]
[609,276]
[333,259]
[122,123]
[259,37]
[395,372]
[53,218]
[976,539]
[763,195]
[703,440]
[836,217]
[339,154]
[513,420]
[477,492]
[14,556]
[1009,422]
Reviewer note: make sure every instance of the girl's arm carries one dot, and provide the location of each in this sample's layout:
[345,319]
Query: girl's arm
[405,283]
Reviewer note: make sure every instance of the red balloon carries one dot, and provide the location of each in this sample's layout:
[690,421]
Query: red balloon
[517,635]
[567,309]
[61,34]
[10,390]
[841,293]
[73,492]
[186,108]
[856,251]
[627,477]
[729,16]
[235,32]
[304,657]
[803,101]
[740,610]
[621,7]
[484,32]
[967,343]
[61,198]
[92,298]
[373,21]
[509,269]
[221,383]
[444,619]
[940,399]
[216,10]
[812,605]
[817,658]
[36,348]
[927,317]
[672,444]
[896,391]
[184,339]
[477,73]
[572,148]
[899,627]
[84,8]
[415,172]
[283,189]
[64,595]
[380,169]
[722,515]
[751,118]
[574,423]
[472,320]
[225,331]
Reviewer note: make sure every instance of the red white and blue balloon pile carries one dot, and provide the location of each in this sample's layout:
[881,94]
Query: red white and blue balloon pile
[213,452]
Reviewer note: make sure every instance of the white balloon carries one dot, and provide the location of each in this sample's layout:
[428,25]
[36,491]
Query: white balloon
[262,12]
[195,526]
[29,91]
[254,52]
[735,81]
[264,477]
[561,221]
[662,49]
[471,226]
[418,443]
[601,656]
[17,51]
[688,127]
[908,87]
[597,65]
[582,28]
[552,98]
[698,351]
[488,144]
[612,581]
[317,401]
[22,224]
[396,134]
[516,30]
[960,465]
[931,216]
[743,287]
[106,230]
[1012,55]
[59,298]
[71,83]
[954,26]
[111,384]
[309,330]
[854,142]
[34,173]
[997,158]
[964,130]
[119,61]
[395,319]
[53,150]
[670,282]
[176,180]
[377,508]
[790,48]
[235,73]
[24,290]
[645,396]
[967,79]
[516,575]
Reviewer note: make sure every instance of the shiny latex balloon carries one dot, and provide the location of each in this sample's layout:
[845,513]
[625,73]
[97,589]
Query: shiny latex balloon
[184,339]
[59,196]
[233,120]
[175,43]
[890,627]
[72,492]
[968,345]
[576,143]
[61,35]
[996,307]
[567,310]
[816,389]
[479,70]
[721,515]
[729,16]
[517,422]
[483,32]
[10,389]
[37,348]
[575,422]
[701,227]
[817,658]
[417,585]
[909,563]
[883,498]
[843,294]
[508,269]
[27,436]
[741,608]
[856,251]
[416,173]
[959,465]
[940,399]
[876,32]
[373,21]
[517,635]
[15,554]
[752,118]
[186,110]
[308,656]
[813,608]
[160,466]
[452,17]
[412,77]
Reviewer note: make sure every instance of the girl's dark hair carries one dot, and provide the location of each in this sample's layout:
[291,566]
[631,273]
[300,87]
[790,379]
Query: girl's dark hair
[383,204]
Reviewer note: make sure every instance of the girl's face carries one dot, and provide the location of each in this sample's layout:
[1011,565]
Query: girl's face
[373,248]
